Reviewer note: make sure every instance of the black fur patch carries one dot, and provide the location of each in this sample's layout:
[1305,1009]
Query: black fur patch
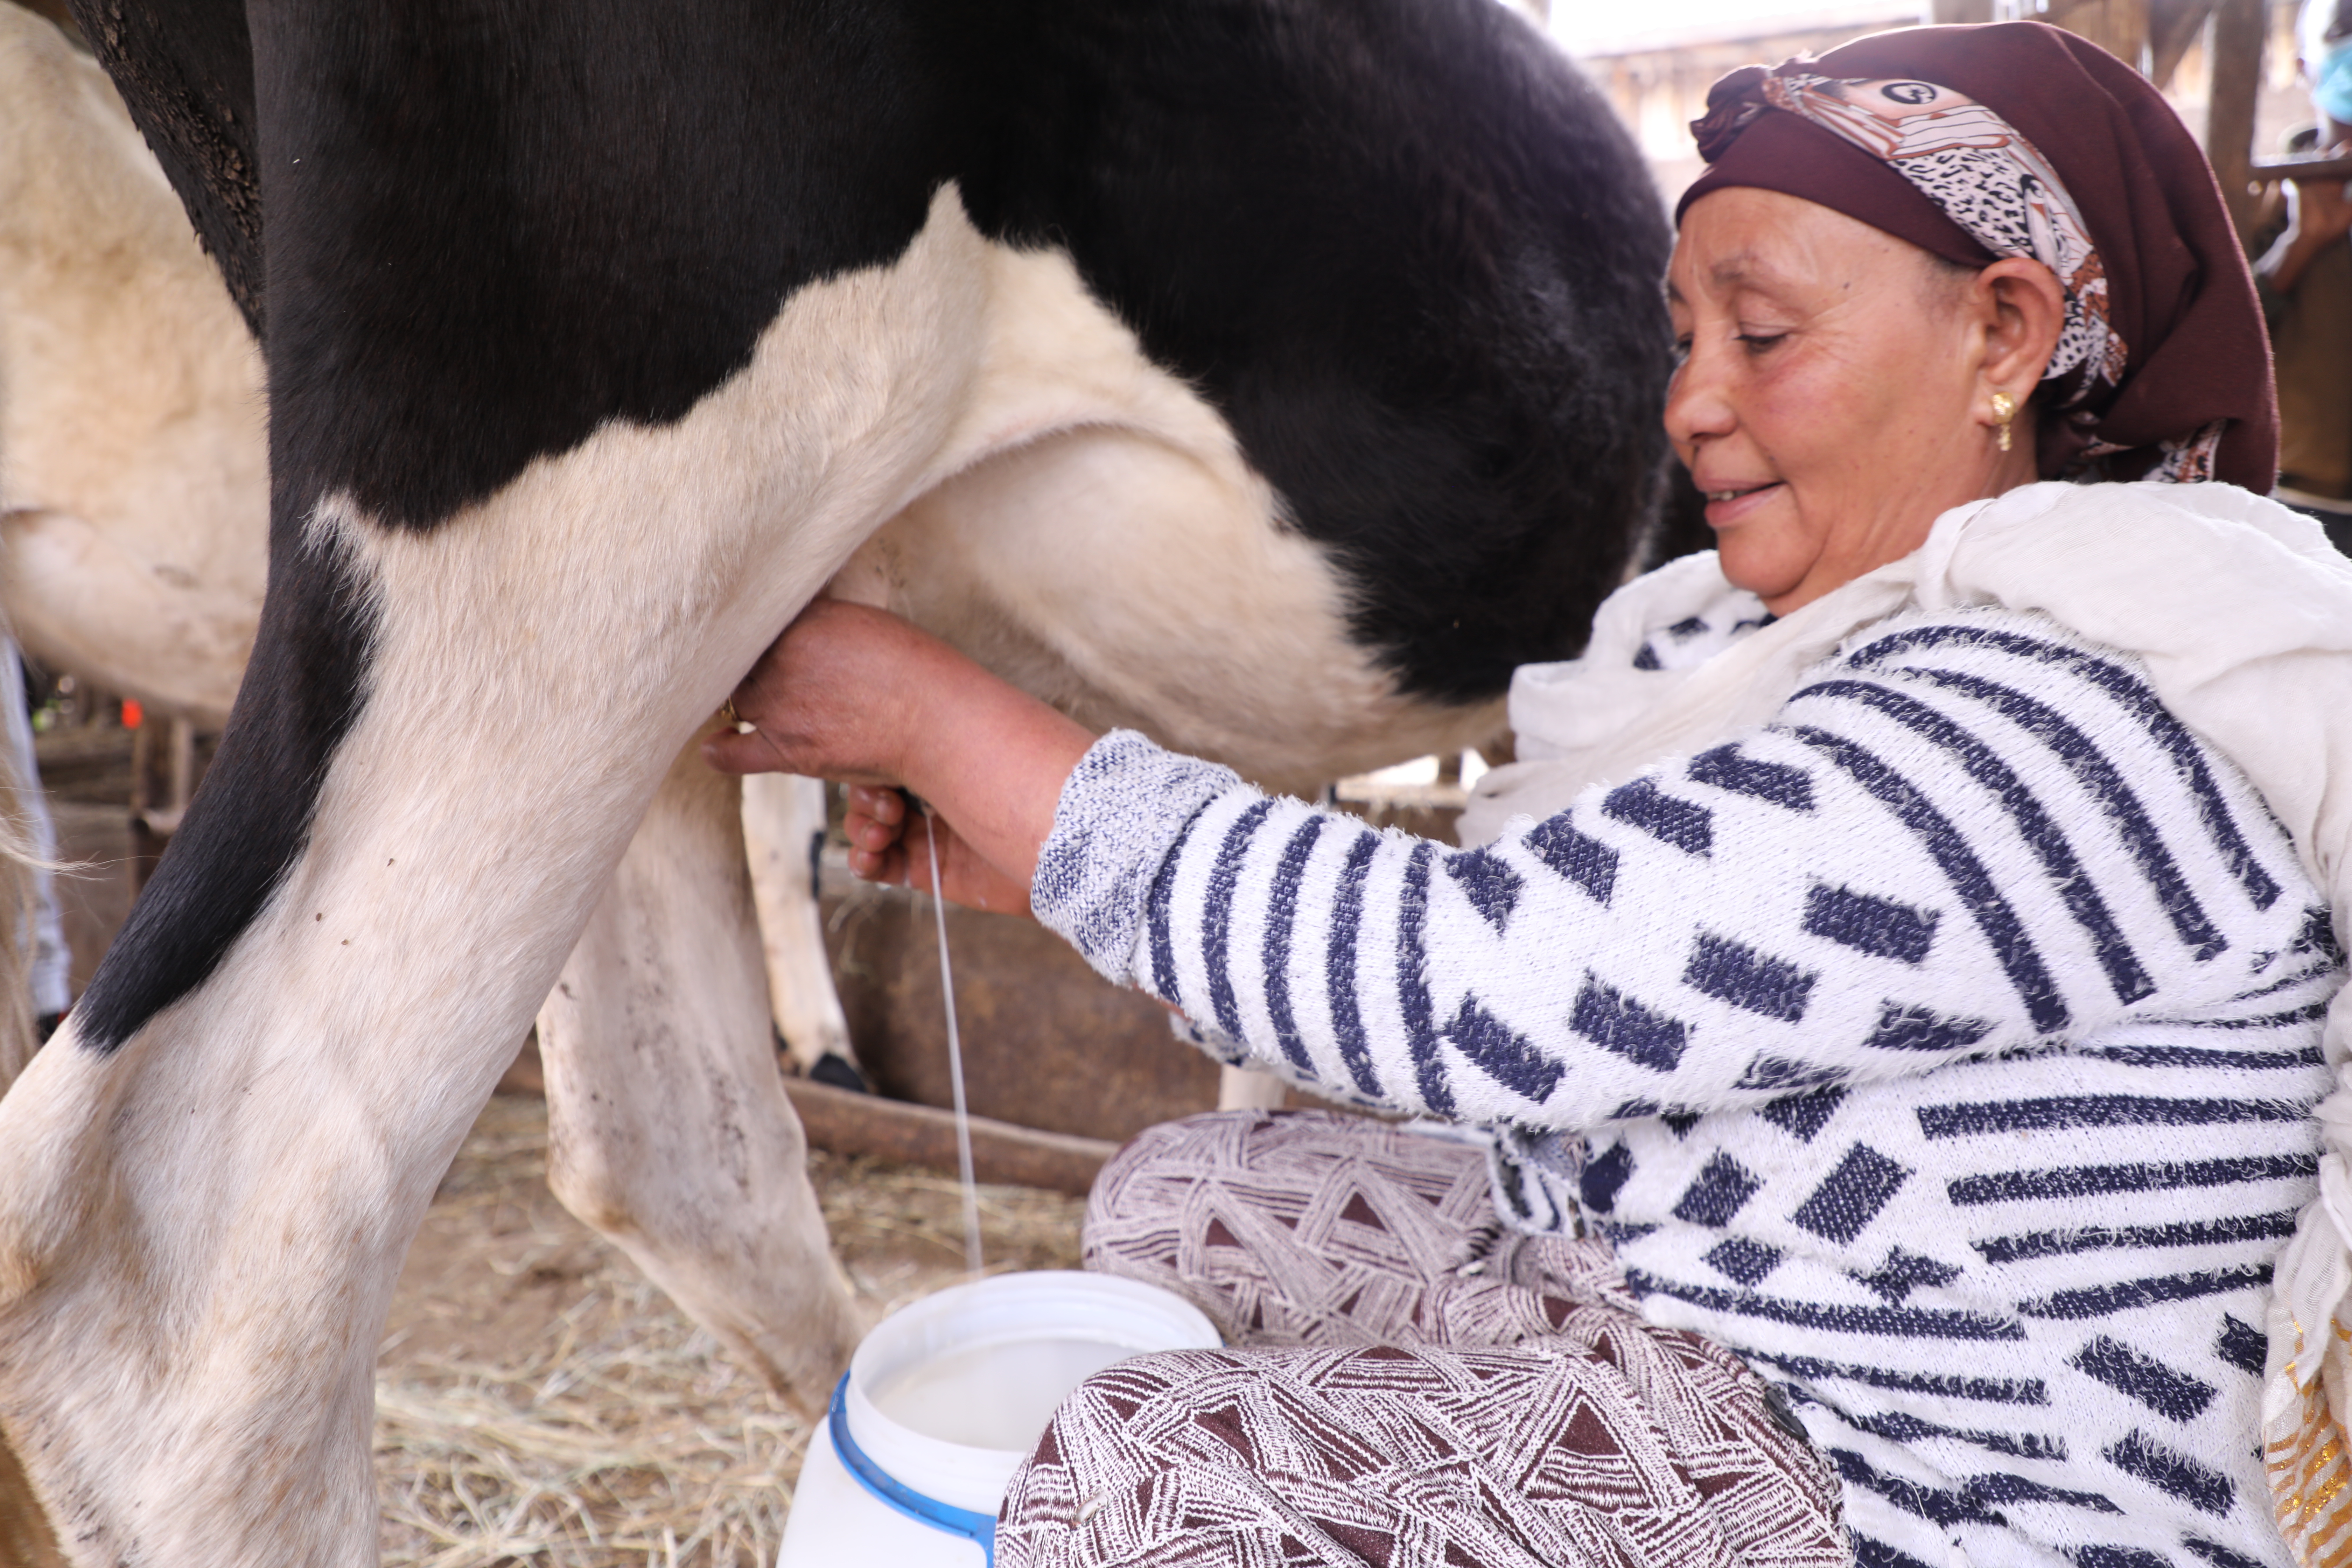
[1407,251]
[252,814]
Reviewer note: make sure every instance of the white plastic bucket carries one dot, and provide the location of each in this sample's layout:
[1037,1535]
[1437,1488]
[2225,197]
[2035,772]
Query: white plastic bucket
[946,1397]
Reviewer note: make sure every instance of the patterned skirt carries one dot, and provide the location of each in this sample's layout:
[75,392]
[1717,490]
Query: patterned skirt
[1410,1384]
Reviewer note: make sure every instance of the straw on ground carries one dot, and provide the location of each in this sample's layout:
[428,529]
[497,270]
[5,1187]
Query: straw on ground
[539,1402]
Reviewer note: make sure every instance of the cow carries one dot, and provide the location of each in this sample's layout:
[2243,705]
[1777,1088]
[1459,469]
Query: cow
[1276,375]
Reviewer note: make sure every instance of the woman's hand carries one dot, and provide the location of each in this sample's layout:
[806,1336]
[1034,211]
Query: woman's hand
[855,693]
[2318,215]
[845,693]
[889,841]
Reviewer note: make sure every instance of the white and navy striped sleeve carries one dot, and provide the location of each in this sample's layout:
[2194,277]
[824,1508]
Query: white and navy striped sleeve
[1968,834]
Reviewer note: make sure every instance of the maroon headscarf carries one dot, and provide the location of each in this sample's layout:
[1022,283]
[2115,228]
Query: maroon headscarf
[2016,139]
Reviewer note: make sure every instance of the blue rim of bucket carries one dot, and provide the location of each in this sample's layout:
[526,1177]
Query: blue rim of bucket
[978,1528]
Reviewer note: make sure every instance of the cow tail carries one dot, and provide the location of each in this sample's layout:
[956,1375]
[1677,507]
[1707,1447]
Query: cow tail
[21,862]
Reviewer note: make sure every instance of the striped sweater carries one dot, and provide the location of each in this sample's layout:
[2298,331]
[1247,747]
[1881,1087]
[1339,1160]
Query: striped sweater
[1946,1048]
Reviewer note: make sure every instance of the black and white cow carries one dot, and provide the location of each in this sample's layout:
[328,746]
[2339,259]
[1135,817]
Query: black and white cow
[1278,373]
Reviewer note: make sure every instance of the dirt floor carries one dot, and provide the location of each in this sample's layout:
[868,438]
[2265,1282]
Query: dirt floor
[538,1401]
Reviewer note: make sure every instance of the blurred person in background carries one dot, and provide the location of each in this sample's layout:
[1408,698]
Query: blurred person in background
[2306,277]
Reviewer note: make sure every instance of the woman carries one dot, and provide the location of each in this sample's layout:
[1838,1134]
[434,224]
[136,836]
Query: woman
[1901,957]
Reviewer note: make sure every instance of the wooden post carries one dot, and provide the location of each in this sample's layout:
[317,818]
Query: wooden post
[181,771]
[1946,12]
[2118,27]
[2172,26]
[148,788]
[2238,26]
[163,776]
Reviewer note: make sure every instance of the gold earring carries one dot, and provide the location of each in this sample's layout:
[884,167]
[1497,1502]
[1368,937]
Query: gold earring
[2004,408]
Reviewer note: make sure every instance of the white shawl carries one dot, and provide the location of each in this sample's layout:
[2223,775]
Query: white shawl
[2242,614]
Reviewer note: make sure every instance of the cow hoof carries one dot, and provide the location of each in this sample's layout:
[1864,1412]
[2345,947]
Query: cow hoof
[839,1072]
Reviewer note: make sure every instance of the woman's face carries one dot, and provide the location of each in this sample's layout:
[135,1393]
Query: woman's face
[1832,397]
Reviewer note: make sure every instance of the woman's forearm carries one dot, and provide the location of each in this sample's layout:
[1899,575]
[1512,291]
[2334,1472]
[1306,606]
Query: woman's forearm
[1862,891]
[991,759]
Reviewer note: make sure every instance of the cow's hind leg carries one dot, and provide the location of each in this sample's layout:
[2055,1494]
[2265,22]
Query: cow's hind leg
[667,1126]
[784,833]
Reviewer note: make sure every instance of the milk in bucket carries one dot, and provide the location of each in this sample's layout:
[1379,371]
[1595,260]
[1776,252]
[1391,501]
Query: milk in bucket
[946,1397]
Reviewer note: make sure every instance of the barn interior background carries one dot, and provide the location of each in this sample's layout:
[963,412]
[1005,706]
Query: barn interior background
[538,1401]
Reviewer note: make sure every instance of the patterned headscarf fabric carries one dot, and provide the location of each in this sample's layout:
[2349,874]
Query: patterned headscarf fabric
[2016,139]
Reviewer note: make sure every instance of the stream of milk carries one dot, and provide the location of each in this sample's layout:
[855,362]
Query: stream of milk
[743,726]
[955,1068]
